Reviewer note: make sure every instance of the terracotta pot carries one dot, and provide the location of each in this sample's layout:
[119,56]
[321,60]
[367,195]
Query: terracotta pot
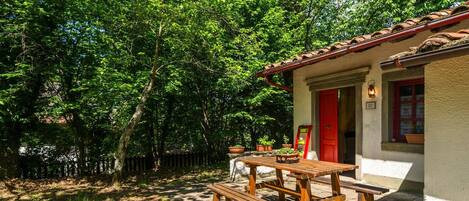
[260,147]
[286,145]
[236,150]
[415,138]
[268,147]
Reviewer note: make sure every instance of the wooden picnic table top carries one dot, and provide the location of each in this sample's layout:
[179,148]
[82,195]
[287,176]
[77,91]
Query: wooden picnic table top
[310,168]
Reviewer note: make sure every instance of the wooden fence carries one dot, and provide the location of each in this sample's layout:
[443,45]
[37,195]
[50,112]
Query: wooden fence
[132,165]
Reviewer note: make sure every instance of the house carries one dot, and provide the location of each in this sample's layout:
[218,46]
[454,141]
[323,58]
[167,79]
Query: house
[364,97]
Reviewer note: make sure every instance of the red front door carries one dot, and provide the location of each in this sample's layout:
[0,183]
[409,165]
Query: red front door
[328,133]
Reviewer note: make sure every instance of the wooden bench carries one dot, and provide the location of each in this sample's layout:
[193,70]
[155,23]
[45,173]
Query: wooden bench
[365,192]
[220,190]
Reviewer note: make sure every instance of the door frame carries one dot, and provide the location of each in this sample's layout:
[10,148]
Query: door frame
[351,78]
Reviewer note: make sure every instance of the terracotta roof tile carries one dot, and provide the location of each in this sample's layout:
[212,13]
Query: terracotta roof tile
[437,41]
[460,9]
[430,43]
[360,38]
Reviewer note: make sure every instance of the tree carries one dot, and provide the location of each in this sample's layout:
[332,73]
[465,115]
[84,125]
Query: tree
[129,129]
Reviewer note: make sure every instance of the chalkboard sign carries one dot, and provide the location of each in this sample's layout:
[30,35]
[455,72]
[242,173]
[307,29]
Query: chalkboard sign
[302,139]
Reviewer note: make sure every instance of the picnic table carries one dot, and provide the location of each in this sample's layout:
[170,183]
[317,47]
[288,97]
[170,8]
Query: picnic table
[303,171]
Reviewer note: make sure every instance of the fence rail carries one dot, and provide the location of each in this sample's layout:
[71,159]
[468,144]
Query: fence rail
[132,165]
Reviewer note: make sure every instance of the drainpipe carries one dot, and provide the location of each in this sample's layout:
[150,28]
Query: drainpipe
[361,46]
[269,81]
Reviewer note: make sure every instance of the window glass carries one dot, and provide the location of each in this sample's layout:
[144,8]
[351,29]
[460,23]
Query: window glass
[409,108]
[406,110]
[406,127]
[419,91]
[419,113]
[406,93]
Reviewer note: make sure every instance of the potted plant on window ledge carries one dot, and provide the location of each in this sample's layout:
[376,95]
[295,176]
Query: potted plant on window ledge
[417,137]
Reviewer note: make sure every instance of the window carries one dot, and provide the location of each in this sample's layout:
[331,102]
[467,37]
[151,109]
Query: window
[408,108]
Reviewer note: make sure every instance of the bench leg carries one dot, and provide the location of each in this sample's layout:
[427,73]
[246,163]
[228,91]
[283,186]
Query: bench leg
[281,196]
[216,197]
[297,188]
[365,196]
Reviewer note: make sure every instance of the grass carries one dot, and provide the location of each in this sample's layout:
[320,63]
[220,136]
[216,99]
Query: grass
[157,185]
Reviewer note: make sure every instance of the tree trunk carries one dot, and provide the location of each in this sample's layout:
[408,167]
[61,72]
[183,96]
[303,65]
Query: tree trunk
[205,122]
[151,147]
[9,151]
[166,125]
[129,129]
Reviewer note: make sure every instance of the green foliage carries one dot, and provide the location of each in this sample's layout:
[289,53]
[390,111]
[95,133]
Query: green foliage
[71,72]
[238,146]
[264,140]
[286,140]
[286,151]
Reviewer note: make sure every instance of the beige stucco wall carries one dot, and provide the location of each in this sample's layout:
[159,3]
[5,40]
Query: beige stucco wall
[387,168]
[447,129]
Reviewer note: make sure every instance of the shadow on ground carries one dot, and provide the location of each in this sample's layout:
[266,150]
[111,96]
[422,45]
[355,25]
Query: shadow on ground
[178,185]
[158,185]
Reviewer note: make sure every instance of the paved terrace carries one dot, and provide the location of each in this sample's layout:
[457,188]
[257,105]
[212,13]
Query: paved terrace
[267,194]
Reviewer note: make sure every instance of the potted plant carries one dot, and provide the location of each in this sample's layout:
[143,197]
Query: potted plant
[266,143]
[287,155]
[260,147]
[413,138]
[237,149]
[286,142]
[416,137]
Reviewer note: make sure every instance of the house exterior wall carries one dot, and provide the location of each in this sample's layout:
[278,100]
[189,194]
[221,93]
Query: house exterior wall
[397,170]
[447,129]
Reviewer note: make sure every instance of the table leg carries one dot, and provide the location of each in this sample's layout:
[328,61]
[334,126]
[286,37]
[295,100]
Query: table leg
[216,197]
[335,182]
[305,189]
[252,179]
[281,196]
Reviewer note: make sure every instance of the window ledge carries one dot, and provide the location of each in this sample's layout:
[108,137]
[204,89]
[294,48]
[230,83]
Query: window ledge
[402,147]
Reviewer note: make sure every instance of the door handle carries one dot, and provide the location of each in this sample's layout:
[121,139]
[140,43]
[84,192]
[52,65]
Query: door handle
[328,126]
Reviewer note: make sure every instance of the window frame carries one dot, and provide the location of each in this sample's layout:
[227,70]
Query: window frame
[396,106]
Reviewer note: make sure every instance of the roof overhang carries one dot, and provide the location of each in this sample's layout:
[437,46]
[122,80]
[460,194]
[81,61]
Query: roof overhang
[364,45]
[426,57]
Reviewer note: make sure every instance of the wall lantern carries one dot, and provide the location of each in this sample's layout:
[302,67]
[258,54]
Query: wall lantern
[371,89]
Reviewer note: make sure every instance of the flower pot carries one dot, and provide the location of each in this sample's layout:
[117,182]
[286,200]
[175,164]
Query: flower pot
[415,138]
[286,145]
[267,147]
[236,150]
[260,147]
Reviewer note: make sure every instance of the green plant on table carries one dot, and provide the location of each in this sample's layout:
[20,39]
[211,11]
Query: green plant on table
[286,151]
[264,140]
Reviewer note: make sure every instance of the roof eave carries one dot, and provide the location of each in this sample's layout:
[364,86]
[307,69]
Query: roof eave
[453,19]
[426,57]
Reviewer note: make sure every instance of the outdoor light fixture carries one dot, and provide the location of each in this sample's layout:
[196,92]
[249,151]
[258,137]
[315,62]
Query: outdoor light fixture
[371,89]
